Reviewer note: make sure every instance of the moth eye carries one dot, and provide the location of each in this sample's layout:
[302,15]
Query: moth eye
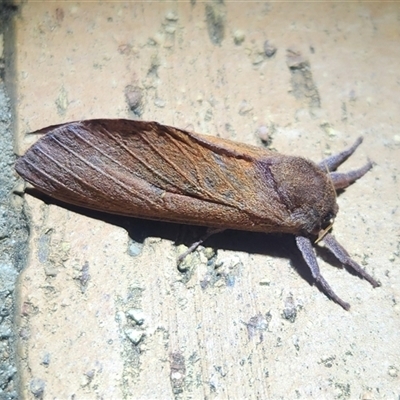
[328,219]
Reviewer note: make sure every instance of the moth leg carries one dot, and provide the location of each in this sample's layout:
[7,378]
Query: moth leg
[305,246]
[343,179]
[341,254]
[193,247]
[331,163]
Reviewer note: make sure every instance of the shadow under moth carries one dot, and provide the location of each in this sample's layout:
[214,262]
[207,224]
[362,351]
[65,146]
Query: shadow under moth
[148,170]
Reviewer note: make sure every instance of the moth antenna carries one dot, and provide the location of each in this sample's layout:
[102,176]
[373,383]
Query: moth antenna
[328,174]
[322,233]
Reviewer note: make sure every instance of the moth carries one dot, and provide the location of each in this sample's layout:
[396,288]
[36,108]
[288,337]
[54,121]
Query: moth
[148,170]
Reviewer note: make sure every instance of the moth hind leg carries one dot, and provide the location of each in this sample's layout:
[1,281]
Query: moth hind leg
[305,246]
[195,245]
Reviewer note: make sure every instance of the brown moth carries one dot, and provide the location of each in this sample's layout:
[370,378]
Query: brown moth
[148,170]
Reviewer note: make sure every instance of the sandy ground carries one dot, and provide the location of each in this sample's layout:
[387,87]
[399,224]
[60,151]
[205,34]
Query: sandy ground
[103,310]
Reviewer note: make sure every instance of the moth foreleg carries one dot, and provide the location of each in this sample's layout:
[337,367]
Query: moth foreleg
[343,179]
[193,246]
[341,254]
[331,163]
[305,246]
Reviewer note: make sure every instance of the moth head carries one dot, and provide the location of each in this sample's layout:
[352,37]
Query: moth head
[307,193]
[317,220]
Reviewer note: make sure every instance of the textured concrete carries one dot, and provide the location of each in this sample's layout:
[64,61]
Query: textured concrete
[13,226]
[106,314]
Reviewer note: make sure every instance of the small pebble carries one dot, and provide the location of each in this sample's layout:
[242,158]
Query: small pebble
[136,314]
[171,16]
[269,49]
[263,133]
[159,103]
[134,335]
[37,387]
[238,37]
[133,96]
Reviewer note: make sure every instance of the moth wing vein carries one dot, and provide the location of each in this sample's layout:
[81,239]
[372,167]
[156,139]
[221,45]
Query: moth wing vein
[100,171]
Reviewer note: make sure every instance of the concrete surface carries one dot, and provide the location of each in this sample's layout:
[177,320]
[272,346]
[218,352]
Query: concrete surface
[103,310]
[13,229]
